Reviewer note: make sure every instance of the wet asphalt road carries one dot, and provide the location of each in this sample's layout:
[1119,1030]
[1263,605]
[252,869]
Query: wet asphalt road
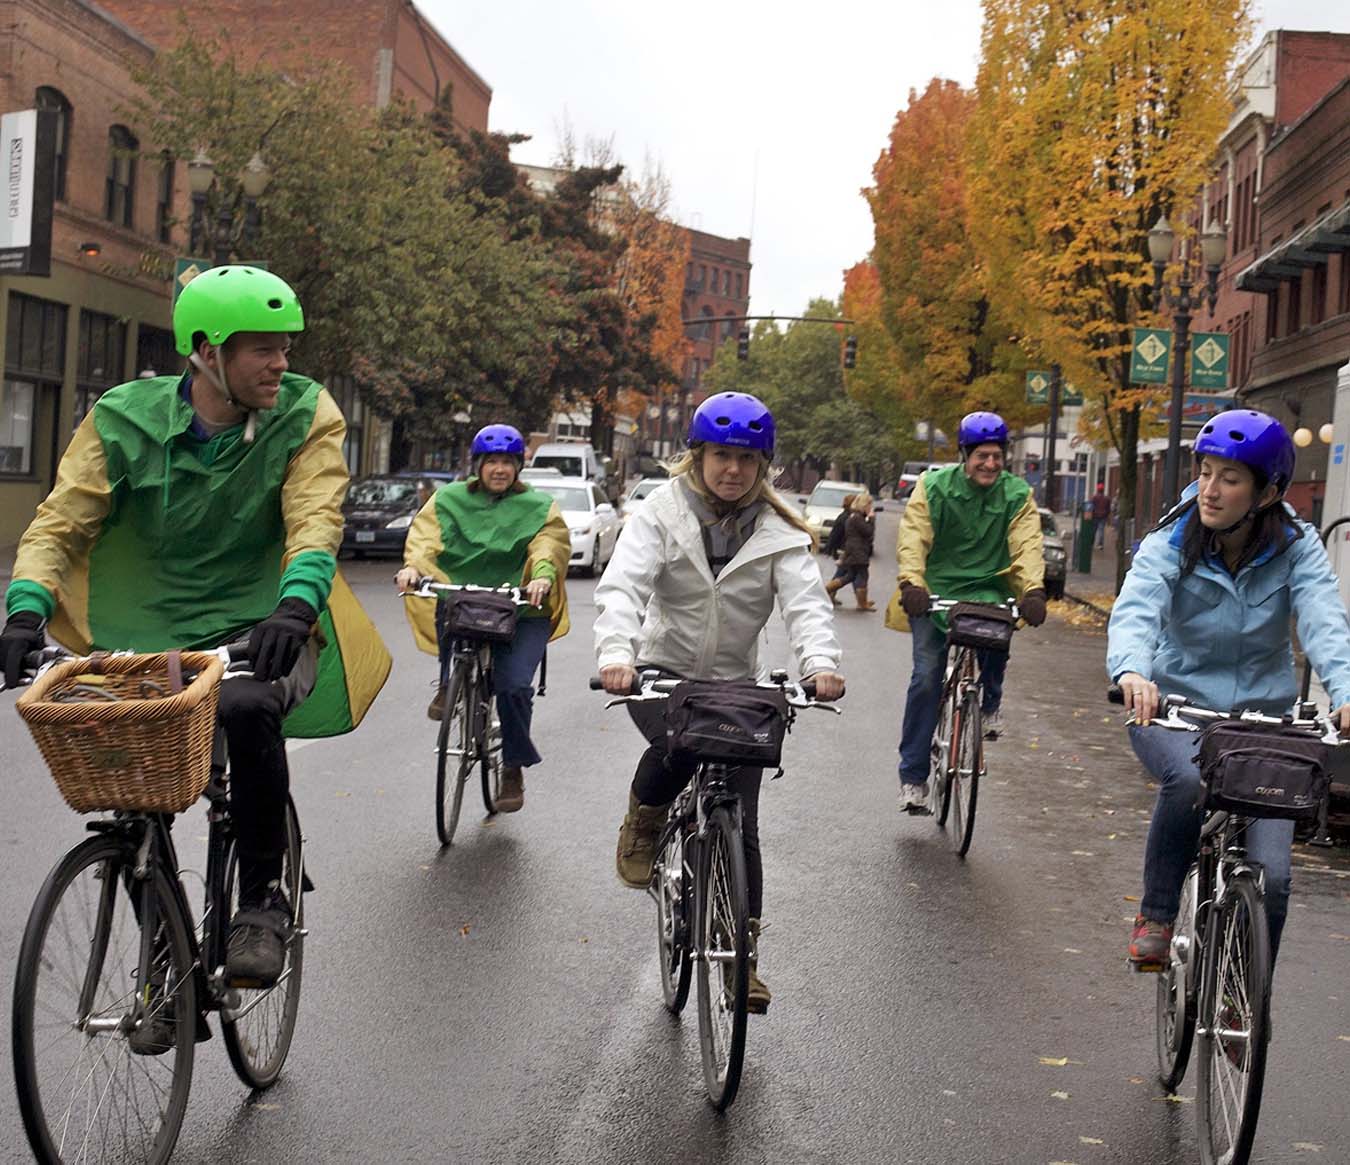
[499,1001]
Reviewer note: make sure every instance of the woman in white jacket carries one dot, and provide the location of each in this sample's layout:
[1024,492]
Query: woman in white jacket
[689,590]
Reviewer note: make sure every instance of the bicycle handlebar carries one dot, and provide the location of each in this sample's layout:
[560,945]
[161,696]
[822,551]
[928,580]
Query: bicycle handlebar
[429,588]
[936,604]
[36,662]
[651,683]
[1177,708]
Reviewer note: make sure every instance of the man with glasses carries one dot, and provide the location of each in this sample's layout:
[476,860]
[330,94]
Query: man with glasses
[971,531]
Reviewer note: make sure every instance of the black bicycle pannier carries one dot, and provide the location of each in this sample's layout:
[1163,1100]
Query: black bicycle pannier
[726,723]
[981,625]
[480,615]
[1264,770]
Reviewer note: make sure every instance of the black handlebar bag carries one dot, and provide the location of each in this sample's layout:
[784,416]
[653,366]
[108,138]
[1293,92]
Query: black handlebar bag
[980,625]
[1264,770]
[479,615]
[717,722]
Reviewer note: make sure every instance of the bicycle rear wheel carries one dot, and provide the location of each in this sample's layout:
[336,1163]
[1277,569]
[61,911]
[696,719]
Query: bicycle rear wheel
[670,887]
[1176,991]
[1233,1024]
[83,1091]
[963,785]
[259,1026]
[723,970]
[454,752]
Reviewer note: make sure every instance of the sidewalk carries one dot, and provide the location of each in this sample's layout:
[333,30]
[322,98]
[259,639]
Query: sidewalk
[1102,578]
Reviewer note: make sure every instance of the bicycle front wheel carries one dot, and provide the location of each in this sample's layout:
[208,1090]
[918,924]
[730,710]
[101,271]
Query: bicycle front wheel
[941,751]
[963,785]
[489,737]
[723,970]
[258,1024]
[671,886]
[1233,1024]
[454,752]
[1176,991]
[101,1075]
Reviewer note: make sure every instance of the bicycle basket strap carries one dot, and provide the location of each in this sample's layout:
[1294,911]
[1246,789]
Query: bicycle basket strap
[720,722]
[479,615]
[1263,770]
[980,625]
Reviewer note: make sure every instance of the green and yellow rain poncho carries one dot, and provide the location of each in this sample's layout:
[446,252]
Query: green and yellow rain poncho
[154,538]
[465,534]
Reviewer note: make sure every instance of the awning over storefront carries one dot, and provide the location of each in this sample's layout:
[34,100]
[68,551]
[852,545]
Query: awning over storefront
[1288,260]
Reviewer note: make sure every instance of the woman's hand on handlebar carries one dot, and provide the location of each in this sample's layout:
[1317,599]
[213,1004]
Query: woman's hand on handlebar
[407,579]
[1341,718]
[829,685]
[1141,696]
[618,679]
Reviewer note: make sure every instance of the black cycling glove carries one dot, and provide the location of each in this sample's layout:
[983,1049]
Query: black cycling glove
[275,644]
[1032,607]
[22,636]
[914,599]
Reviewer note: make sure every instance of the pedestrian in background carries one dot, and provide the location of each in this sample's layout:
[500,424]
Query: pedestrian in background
[1101,513]
[859,525]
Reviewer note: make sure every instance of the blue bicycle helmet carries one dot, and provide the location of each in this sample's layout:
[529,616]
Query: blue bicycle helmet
[981,429]
[498,439]
[733,418]
[1256,439]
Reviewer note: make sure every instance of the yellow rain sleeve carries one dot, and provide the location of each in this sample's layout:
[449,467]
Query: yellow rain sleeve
[311,506]
[550,552]
[912,545]
[1027,550]
[422,552]
[54,550]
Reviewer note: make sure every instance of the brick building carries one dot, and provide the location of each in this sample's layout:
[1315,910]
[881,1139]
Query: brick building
[388,45]
[102,315]
[717,284]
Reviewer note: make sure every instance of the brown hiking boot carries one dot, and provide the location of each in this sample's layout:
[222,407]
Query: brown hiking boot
[636,851]
[437,704]
[511,799]
[832,589]
[757,997]
[860,593]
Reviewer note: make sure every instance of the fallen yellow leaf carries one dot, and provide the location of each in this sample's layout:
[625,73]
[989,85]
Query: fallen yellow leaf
[1054,1061]
[464,930]
[1060,1095]
[1092,1140]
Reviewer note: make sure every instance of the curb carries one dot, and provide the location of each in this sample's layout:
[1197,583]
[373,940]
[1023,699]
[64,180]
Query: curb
[1100,612]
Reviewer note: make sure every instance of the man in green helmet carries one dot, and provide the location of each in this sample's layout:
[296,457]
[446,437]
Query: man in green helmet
[195,510]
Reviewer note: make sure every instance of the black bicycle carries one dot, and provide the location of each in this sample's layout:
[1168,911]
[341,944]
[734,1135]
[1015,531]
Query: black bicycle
[115,980]
[701,892]
[958,741]
[1216,981]
[470,735]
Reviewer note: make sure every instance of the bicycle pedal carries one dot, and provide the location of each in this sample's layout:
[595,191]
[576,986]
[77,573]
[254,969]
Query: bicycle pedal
[1147,968]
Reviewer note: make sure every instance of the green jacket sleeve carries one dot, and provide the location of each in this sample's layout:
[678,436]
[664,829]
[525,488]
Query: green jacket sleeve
[311,507]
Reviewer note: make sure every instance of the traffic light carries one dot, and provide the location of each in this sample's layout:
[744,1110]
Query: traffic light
[850,351]
[743,344]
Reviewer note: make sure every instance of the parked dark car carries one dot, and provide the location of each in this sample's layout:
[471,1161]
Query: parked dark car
[1056,555]
[379,510]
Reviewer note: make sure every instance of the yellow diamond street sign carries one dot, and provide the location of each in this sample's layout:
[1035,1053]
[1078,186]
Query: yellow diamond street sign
[1148,355]
[1038,388]
[1209,360]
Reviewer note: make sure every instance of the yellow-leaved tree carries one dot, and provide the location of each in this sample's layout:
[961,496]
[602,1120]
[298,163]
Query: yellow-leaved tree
[1091,120]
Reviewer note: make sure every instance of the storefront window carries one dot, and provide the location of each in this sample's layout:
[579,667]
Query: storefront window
[18,402]
[102,355]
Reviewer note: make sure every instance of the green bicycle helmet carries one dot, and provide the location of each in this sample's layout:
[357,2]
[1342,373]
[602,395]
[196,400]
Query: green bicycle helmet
[225,300]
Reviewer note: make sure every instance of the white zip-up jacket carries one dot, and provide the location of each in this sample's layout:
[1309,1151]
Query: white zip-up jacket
[658,603]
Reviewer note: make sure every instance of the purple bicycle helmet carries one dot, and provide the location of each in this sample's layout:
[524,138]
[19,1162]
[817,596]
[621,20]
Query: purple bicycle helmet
[981,429]
[1256,439]
[498,439]
[733,418]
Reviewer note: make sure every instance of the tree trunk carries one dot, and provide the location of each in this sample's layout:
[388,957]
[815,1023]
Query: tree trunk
[1129,477]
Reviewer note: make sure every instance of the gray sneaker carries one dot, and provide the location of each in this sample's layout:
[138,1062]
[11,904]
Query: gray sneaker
[993,724]
[914,798]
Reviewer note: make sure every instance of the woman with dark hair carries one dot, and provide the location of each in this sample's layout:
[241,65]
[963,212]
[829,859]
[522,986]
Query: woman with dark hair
[860,532]
[1204,612]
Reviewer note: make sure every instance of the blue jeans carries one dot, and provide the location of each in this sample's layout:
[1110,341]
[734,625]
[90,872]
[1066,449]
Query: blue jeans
[1174,836]
[923,702]
[513,668]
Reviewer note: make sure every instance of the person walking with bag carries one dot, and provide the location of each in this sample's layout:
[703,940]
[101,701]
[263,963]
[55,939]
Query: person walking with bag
[860,533]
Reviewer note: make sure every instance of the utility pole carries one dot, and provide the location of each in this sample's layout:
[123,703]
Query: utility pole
[1052,437]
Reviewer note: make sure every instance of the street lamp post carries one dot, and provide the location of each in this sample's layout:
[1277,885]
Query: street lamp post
[221,235]
[1213,244]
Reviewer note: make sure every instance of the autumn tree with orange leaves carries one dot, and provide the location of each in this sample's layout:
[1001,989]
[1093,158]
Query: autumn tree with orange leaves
[1091,120]
[949,352]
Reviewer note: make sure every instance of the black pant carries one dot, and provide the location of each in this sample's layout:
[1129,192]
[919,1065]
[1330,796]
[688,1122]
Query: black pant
[251,713]
[659,779]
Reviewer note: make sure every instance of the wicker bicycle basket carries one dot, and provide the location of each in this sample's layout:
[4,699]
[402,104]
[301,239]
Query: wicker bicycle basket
[146,749]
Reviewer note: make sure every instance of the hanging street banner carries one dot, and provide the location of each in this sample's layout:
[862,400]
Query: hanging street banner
[1209,360]
[1199,407]
[27,169]
[1149,350]
[1068,395]
[1038,388]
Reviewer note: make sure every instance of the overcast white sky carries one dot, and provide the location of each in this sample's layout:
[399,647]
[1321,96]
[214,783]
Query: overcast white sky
[766,114]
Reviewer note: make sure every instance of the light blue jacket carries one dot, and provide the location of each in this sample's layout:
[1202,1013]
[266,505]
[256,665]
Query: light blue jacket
[1224,642]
